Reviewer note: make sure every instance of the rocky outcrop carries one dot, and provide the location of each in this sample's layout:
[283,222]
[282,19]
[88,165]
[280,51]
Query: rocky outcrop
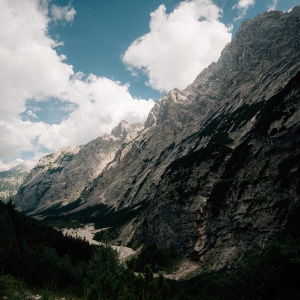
[59,178]
[11,180]
[223,198]
[210,160]
[215,171]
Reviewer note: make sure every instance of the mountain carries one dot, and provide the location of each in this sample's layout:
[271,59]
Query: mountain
[59,178]
[215,171]
[11,180]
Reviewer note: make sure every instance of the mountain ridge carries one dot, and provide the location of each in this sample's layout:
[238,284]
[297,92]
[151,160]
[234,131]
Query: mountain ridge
[11,179]
[207,162]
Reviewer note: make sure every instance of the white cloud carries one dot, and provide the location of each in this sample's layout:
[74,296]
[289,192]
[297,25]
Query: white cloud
[102,104]
[32,69]
[242,6]
[31,114]
[179,45]
[5,167]
[63,13]
[273,5]
[245,4]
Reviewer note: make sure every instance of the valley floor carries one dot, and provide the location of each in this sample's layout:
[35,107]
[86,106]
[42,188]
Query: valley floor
[87,233]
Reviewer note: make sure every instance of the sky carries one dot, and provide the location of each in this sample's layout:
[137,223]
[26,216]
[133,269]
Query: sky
[71,70]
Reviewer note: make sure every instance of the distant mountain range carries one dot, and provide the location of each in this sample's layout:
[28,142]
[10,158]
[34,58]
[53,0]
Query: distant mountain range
[11,180]
[213,172]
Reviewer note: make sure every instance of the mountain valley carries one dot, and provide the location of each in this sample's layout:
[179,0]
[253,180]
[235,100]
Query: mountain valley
[214,171]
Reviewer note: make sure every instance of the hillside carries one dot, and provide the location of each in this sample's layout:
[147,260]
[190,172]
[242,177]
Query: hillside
[215,171]
[11,180]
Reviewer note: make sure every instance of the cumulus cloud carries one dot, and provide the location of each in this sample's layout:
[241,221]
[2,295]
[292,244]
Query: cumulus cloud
[273,5]
[63,13]
[102,104]
[179,45]
[242,6]
[32,69]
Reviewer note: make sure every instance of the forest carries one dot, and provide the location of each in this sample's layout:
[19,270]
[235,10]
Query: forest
[38,260]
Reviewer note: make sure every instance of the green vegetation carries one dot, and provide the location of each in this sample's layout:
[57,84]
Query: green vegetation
[101,215]
[55,170]
[40,256]
[36,259]
[67,156]
[158,258]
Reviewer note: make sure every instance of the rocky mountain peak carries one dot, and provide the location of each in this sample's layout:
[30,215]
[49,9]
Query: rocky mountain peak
[54,159]
[262,50]
[60,177]
[176,107]
[11,179]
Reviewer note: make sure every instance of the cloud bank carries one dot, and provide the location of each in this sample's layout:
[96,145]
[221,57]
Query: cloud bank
[32,69]
[179,45]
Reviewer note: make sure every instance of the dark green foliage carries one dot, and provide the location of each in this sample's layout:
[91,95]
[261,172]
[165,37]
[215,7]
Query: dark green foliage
[10,288]
[159,259]
[85,215]
[101,215]
[39,255]
[106,235]
[68,156]
[43,258]
[120,217]
[59,209]
[33,253]
[105,259]
[55,170]
[126,285]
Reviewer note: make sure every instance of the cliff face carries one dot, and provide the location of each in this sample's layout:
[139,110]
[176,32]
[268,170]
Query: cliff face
[11,180]
[224,198]
[59,178]
[215,172]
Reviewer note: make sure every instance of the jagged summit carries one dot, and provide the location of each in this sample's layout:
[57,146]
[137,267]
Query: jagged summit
[121,129]
[11,180]
[126,131]
[59,178]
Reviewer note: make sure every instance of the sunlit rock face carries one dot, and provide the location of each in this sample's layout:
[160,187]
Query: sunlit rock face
[215,170]
[11,180]
[59,178]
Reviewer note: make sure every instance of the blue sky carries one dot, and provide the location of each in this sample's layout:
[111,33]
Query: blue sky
[72,70]
[103,30]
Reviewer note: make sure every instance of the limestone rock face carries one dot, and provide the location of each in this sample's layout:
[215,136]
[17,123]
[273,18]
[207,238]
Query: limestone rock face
[59,178]
[231,185]
[215,171]
[211,158]
[11,180]
[225,197]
